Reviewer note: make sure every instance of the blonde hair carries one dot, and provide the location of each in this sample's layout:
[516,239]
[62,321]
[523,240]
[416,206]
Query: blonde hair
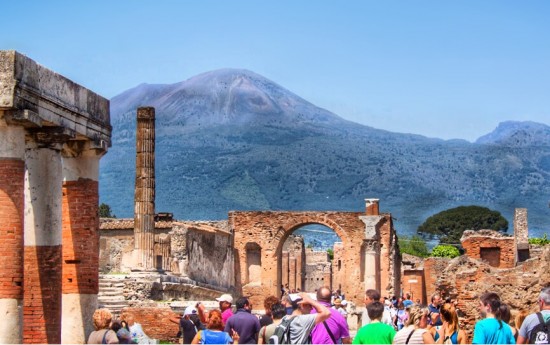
[448,313]
[520,317]
[415,315]
[102,319]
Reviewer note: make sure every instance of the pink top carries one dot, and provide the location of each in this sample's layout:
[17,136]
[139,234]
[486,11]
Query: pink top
[226,314]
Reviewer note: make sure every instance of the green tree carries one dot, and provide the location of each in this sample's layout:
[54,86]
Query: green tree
[449,225]
[541,241]
[330,253]
[414,245]
[445,251]
[105,211]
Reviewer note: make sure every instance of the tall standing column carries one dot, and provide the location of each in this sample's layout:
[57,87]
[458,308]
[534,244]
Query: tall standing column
[144,199]
[42,246]
[12,176]
[80,284]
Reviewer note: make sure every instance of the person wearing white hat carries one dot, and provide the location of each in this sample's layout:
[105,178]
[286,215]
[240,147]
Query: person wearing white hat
[225,301]
[188,328]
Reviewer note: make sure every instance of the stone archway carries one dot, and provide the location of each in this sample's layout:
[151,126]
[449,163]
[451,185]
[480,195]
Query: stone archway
[368,258]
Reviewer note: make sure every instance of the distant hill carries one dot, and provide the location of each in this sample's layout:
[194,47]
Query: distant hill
[234,140]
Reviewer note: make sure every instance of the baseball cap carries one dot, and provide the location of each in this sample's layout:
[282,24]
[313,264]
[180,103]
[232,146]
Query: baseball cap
[189,311]
[225,298]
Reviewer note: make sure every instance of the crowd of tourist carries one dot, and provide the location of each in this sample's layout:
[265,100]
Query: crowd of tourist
[320,318]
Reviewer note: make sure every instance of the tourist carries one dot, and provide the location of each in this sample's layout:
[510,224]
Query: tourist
[138,335]
[526,330]
[214,334]
[122,333]
[519,319]
[491,329]
[449,331]
[415,331]
[372,295]
[335,329]
[278,311]
[102,334]
[506,316]
[375,332]
[267,319]
[188,328]
[340,306]
[285,300]
[303,321]
[401,316]
[243,322]
[224,301]
[407,302]
[434,311]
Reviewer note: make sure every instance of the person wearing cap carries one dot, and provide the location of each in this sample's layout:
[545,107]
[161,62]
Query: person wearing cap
[340,306]
[303,320]
[225,301]
[188,328]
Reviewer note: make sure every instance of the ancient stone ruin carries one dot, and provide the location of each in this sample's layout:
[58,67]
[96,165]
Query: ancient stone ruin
[52,134]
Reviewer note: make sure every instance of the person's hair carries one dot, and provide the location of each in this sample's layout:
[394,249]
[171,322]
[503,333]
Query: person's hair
[400,305]
[435,295]
[520,317]
[278,310]
[269,301]
[124,324]
[505,314]
[215,320]
[373,294]
[448,314]
[241,302]
[375,310]
[493,301]
[323,294]
[102,318]
[407,295]
[545,295]
[415,314]
[116,325]
[286,299]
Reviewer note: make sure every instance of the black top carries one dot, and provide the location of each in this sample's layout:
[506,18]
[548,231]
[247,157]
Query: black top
[266,320]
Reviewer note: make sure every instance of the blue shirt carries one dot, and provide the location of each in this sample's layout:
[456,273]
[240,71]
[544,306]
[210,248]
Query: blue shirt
[490,331]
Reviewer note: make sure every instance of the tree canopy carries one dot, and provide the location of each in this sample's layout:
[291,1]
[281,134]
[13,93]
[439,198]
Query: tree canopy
[449,225]
[105,211]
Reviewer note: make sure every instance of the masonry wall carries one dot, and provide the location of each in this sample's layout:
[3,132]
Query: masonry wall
[494,245]
[115,250]
[338,276]
[413,283]
[155,322]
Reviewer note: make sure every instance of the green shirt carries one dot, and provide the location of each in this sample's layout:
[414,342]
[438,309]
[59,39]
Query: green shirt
[375,333]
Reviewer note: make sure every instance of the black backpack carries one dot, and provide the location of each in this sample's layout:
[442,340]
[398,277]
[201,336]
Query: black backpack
[541,332]
[282,332]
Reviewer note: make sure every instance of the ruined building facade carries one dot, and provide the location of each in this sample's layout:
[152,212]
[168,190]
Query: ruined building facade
[52,134]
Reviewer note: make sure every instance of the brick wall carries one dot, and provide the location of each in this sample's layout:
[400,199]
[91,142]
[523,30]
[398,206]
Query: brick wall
[42,298]
[12,173]
[413,283]
[476,243]
[155,322]
[80,225]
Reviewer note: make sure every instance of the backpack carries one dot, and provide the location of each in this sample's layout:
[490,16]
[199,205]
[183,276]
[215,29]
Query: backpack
[282,332]
[541,332]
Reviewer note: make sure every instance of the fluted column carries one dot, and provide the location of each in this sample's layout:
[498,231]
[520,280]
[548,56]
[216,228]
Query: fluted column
[144,199]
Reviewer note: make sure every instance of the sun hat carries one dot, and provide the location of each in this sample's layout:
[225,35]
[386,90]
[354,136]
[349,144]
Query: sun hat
[190,310]
[225,298]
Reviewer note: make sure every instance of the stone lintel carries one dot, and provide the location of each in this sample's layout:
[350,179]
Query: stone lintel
[32,95]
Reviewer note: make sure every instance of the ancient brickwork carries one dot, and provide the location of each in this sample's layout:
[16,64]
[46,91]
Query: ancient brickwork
[293,263]
[497,249]
[413,283]
[11,228]
[80,236]
[338,276]
[155,321]
[318,270]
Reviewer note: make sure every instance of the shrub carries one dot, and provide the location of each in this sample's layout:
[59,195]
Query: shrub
[541,241]
[445,251]
[414,245]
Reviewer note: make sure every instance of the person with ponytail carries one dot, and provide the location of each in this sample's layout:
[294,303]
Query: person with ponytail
[491,329]
[415,331]
[449,333]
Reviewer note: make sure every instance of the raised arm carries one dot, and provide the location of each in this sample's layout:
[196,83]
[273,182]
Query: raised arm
[322,312]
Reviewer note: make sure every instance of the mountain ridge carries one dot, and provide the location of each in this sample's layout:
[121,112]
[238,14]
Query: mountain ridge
[233,140]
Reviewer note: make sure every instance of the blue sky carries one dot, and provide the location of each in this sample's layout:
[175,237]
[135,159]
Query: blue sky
[446,69]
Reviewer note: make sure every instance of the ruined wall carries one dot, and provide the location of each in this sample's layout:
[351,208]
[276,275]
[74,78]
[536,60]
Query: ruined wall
[497,249]
[318,270]
[115,250]
[413,282]
[337,272]
[465,279]
[293,263]
[155,322]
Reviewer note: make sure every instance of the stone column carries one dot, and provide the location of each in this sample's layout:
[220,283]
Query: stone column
[12,177]
[144,200]
[370,252]
[80,284]
[42,244]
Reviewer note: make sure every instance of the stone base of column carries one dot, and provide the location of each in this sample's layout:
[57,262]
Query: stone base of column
[78,311]
[11,324]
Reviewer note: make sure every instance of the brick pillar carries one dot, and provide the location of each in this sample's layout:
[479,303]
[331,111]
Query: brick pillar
[144,199]
[292,272]
[285,268]
[80,280]
[12,176]
[371,207]
[42,246]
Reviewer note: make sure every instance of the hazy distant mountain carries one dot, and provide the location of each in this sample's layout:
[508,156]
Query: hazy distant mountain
[234,140]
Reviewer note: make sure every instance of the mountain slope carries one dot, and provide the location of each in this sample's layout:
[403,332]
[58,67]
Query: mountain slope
[233,140]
